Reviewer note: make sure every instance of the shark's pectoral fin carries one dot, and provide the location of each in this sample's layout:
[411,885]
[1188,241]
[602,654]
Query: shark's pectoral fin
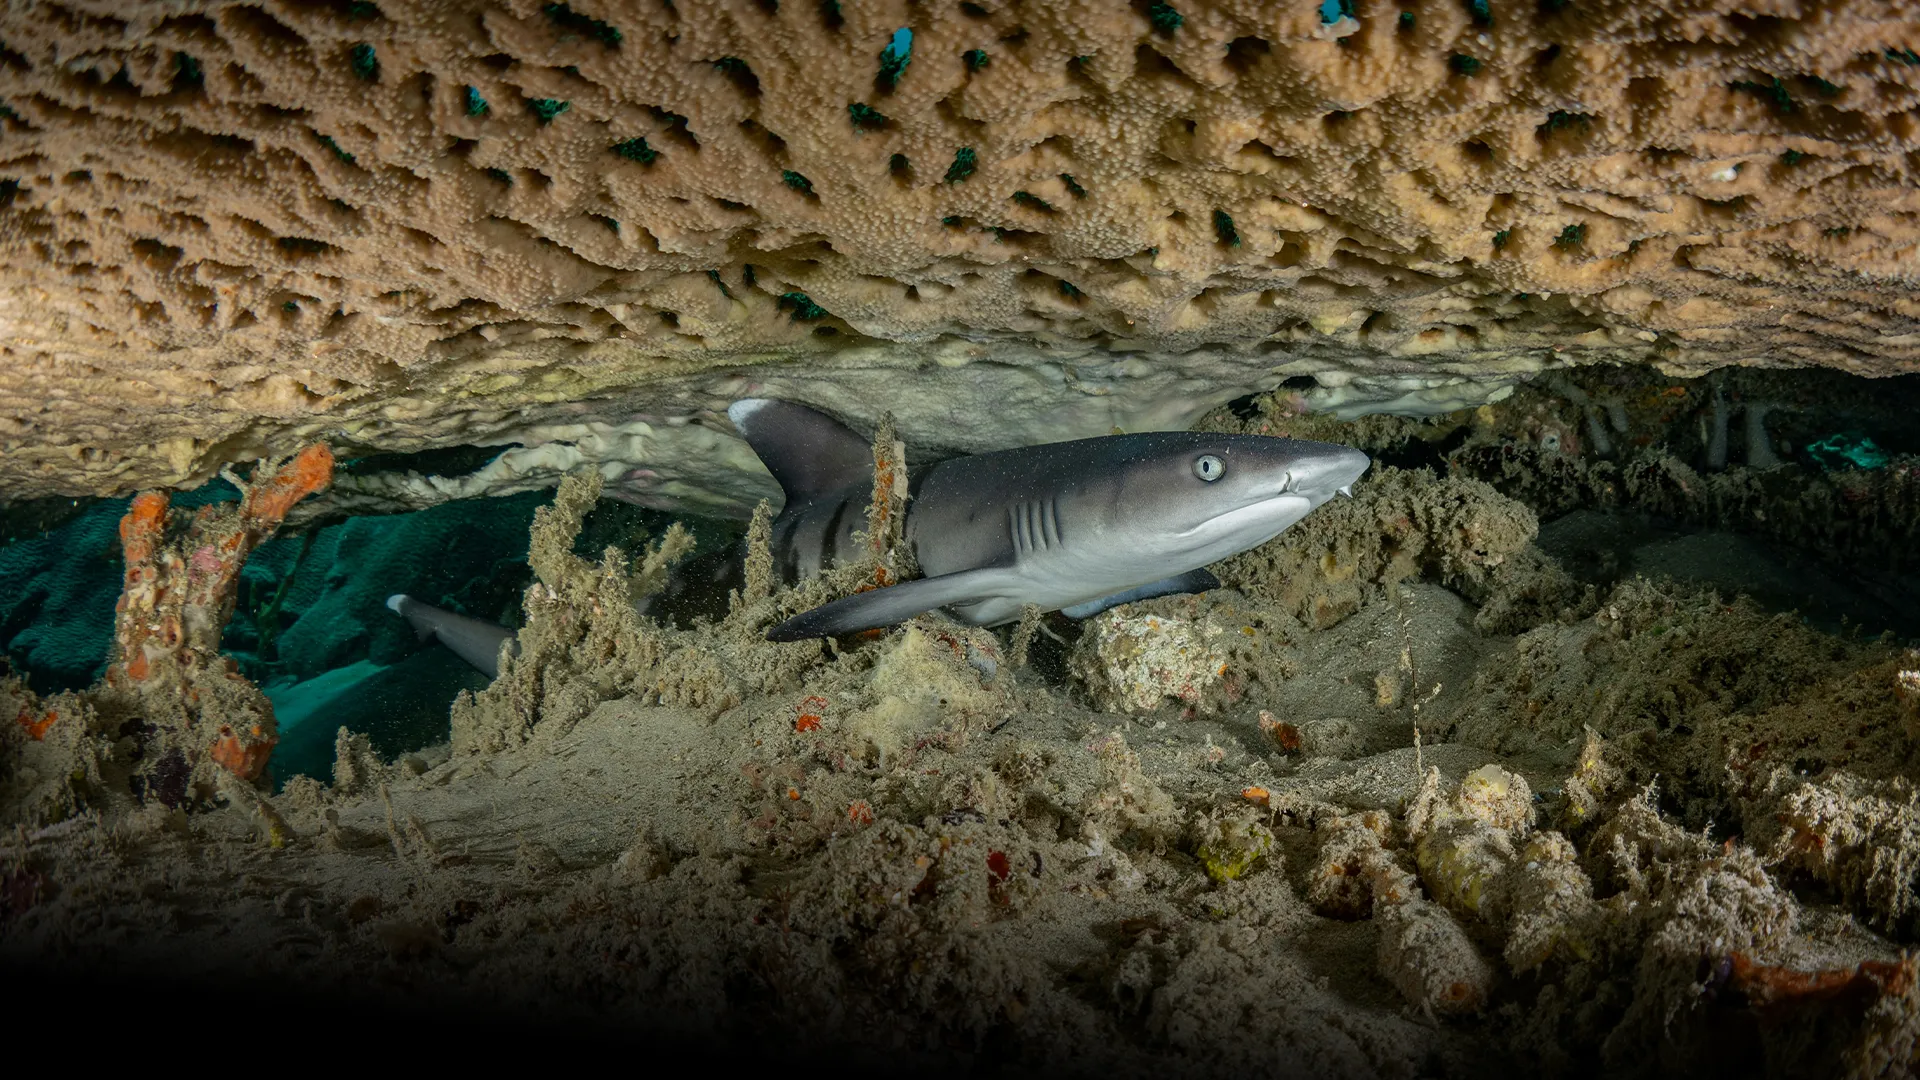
[1190,582]
[893,604]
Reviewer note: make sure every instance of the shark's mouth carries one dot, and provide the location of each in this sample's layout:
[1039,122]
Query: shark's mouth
[1254,523]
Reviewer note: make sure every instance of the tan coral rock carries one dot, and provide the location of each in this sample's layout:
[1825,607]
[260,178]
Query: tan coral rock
[232,227]
[1429,958]
[1136,662]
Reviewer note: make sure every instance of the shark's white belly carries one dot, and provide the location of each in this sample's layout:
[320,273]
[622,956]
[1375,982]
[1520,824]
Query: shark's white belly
[1060,579]
[1097,565]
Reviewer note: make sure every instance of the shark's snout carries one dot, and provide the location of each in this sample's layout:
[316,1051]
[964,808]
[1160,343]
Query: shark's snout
[1323,475]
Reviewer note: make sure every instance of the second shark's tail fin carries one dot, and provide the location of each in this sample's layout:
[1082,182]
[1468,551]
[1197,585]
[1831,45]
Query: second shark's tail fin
[476,641]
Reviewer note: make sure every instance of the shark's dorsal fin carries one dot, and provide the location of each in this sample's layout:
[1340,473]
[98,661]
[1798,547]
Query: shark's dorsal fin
[895,603]
[809,453]
[1193,581]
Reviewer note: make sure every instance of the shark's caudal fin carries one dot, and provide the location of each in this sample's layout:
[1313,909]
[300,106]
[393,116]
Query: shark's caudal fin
[808,452]
[1193,581]
[476,641]
[885,607]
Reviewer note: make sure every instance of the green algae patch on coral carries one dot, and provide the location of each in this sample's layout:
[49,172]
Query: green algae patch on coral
[1228,846]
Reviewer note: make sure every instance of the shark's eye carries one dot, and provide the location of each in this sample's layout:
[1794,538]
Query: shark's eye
[1209,468]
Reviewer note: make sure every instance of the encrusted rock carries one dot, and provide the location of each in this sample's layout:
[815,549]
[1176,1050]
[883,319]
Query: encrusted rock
[1134,663]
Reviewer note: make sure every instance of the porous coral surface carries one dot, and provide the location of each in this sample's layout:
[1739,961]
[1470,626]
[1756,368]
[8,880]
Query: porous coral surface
[234,227]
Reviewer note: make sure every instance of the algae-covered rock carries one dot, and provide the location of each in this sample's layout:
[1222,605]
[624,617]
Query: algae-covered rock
[1860,837]
[1134,662]
[925,675]
[1229,845]
[1426,955]
[1127,802]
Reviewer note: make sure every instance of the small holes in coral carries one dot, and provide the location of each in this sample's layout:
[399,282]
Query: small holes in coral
[1332,11]
[825,331]
[572,23]
[1477,151]
[1032,202]
[676,126]
[1164,18]
[327,141]
[1773,92]
[1244,53]
[1571,237]
[975,59]
[363,62]
[157,255]
[671,318]
[900,169]
[1821,86]
[742,76]
[802,305]
[498,61]
[865,117]
[965,161]
[1481,12]
[1462,64]
[830,16]
[974,11]
[636,149]
[1560,120]
[472,103]
[1223,229]
[1149,61]
[893,61]
[188,78]
[773,144]
[302,245]
[798,183]
[545,109]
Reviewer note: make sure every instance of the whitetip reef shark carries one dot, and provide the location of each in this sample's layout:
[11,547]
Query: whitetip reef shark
[1075,527]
